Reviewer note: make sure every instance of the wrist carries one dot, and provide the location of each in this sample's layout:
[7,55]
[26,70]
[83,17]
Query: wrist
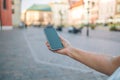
[70,51]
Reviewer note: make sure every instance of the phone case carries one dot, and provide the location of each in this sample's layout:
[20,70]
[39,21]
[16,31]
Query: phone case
[53,38]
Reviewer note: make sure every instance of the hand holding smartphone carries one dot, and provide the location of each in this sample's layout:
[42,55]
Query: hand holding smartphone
[53,38]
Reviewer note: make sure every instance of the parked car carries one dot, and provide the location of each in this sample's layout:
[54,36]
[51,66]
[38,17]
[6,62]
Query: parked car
[75,30]
[59,28]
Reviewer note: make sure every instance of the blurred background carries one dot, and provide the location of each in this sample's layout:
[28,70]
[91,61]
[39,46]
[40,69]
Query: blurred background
[91,25]
[63,13]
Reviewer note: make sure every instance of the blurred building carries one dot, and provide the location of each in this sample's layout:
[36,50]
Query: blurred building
[92,10]
[16,12]
[6,14]
[76,12]
[106,10]
[37,14]
[117,11]
[60,12]
[83,11]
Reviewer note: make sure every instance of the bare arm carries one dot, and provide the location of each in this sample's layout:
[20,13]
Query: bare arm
[102,63]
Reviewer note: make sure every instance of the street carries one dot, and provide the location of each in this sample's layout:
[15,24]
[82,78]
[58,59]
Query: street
[24,55]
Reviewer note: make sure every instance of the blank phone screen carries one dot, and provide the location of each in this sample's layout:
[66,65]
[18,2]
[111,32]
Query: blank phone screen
[53,38]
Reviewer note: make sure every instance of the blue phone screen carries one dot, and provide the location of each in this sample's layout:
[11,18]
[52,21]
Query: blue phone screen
[53,38]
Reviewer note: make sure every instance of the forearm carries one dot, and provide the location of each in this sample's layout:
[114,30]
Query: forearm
[101,63]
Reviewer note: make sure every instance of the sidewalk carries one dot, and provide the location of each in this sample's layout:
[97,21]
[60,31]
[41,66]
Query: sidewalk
[24,56]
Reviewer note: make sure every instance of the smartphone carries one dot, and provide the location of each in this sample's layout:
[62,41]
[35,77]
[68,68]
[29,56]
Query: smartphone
[53,38]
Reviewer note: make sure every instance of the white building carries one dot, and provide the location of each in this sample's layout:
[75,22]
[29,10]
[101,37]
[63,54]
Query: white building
[16,12]
[60,13]
[106,9]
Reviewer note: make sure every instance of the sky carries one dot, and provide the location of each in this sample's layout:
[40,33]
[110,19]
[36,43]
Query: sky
[27,3]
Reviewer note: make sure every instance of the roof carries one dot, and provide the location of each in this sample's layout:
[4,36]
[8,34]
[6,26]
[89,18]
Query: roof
[40,7]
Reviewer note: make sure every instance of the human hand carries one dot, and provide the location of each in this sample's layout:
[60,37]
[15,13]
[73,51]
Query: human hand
[65,50]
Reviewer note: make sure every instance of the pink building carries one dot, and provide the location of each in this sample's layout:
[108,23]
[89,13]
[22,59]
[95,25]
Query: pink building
[92,11]
[6,13]
[83,11]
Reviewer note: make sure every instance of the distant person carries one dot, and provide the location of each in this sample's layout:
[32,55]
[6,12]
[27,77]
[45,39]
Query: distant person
[106,64]
[26,25]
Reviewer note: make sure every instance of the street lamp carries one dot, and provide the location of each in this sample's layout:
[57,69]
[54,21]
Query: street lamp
[87,32]
[61,17]
[59,28]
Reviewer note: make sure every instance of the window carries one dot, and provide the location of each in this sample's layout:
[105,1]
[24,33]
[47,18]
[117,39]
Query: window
[93,4]
[13,11]
[4,4]
[118,8]
[13,2]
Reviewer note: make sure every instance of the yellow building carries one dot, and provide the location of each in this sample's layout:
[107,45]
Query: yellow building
[37,14]
[117,10]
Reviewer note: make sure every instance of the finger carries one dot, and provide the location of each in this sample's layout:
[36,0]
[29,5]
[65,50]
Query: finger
[55,51]
[49,48]
[62,38]
[47,44]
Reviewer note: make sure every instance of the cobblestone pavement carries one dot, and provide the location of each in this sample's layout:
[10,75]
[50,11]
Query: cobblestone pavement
[24,56]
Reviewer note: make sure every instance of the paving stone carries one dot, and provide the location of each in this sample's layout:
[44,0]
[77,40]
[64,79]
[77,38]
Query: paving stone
[24,56]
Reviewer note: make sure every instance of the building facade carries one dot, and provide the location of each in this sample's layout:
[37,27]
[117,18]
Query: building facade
[83,11]
[16,12]
[93,11]
[76,12]
[106,10]
[6,14]
[37,14]
[60,13]
[117,10]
